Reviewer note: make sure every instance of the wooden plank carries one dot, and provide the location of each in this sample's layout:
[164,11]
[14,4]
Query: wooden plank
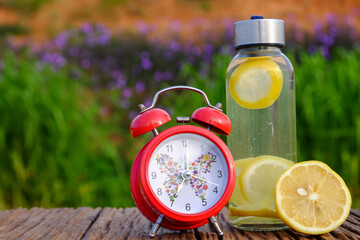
[6,216]
[129,224]
[111,223]
[38,223]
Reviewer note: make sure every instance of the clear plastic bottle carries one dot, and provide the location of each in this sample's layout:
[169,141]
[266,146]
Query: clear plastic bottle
[260,102]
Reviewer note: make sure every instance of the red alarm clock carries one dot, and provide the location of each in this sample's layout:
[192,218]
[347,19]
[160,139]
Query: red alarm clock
[185,175]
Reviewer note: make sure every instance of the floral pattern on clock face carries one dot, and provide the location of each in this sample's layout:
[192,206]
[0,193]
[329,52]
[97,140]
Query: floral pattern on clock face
[174,170]
[187,173]
[201,166]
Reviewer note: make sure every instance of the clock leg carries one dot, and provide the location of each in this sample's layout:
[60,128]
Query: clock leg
[214,223]
[156,226]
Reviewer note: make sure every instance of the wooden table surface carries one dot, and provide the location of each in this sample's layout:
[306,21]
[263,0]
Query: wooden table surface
[111,223]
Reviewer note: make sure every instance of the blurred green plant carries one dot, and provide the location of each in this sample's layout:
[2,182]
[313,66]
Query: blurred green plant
[328,116]
[53,150]
[8,30]
[23,5]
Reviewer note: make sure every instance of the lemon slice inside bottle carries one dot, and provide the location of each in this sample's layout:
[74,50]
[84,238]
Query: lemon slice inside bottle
[241,207]
[256,83]
[257,181]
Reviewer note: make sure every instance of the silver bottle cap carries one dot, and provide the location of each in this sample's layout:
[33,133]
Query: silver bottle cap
[259,31]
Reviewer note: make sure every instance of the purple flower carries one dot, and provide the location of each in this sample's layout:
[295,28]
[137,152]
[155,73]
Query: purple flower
[143,28]
[140,87]
[146,64]
[47,58]
[158,76]
[127,93]
[120,82]
[175,46]
[85,63]
[61,40]
[55,59]
[87,28]
[325,39]
[115,74]
[59,60]
[333,30]
[325,52]
[209,51]
[312,49]
[104,38]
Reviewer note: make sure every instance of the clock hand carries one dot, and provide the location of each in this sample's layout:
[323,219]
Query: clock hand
[186,158]
[180,186]
[185,162]
[202,179]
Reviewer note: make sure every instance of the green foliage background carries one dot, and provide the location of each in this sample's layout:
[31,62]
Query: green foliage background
[58,147]
[54,151]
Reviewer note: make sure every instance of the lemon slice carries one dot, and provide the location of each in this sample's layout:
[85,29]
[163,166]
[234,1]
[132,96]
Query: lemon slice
[238,205]
[258,179]
[237,197]
[256,83]
[311,198]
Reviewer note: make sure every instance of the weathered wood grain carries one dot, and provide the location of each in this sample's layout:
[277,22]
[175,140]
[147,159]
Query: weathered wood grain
[128,224]
[38,223]
[111,223]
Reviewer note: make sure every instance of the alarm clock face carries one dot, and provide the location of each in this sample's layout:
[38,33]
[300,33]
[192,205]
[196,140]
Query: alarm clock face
[188,173]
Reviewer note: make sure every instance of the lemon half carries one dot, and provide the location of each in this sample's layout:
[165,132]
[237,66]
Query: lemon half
[256,83]
[311,198]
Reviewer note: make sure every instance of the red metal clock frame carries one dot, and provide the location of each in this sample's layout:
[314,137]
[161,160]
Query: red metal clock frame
[152,207]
